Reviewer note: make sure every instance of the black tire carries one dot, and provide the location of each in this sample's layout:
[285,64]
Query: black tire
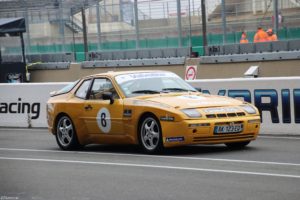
[150,135]
[66,136]
[237,145]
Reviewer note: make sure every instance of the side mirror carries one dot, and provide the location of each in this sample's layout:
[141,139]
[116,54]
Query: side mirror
[108,96]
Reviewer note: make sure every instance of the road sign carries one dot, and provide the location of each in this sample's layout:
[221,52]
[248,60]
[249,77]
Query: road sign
[190,72]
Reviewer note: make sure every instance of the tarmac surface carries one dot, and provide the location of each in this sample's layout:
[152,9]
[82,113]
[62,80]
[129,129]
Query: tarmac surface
[33,167]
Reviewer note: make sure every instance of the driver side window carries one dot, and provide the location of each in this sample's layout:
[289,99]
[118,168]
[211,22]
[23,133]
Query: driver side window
[100,86]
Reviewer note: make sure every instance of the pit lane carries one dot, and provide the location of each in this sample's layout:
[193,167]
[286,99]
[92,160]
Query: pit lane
[32,167]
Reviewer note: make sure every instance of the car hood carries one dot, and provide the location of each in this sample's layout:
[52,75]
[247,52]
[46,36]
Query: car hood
[194,100]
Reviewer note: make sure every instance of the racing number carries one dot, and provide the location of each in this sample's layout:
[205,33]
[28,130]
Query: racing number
[103,120]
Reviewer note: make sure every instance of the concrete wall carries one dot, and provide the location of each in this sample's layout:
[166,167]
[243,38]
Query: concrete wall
[75,72]
[235,70]
[205,71]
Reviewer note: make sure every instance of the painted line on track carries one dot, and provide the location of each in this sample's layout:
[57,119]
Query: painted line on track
[44,129]
[295,137]
[153,166]
[25,129]
[150,156]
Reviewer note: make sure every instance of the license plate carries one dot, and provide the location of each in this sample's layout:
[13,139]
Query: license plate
[237,128]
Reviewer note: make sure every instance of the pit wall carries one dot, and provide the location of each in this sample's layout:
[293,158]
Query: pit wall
[24,105]
[205,71]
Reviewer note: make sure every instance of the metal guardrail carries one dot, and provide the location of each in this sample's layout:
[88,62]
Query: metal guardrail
[251,57]
[50,66]
[134,62]
[266,51]
[142,57]
[139,54]
[45,58]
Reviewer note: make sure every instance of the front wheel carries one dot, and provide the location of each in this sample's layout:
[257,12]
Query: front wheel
[66,137]
[237,145]
[150,136]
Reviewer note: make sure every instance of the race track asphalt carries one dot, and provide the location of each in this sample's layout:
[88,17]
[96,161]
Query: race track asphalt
[33,167]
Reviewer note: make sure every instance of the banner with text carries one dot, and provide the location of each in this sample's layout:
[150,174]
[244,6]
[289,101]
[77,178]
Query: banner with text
[278,99]
[24,104]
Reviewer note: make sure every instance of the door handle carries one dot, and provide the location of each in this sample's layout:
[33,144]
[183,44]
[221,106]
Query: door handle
[88,107]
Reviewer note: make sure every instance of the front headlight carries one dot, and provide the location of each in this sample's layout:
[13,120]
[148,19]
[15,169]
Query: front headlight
[249,109]
[192,113]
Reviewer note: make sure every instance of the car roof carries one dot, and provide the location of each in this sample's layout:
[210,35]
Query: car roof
[116,73]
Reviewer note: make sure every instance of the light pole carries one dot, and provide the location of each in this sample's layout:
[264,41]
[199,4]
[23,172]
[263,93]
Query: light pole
[190,31]
[203,11]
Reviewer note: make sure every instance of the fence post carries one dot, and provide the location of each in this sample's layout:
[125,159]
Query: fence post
[224,22]
[179,27]
[98,26]
[136,20]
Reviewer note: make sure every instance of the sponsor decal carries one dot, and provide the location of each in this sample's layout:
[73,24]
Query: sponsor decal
[174,139]
[193,97]
[128,77]
[219,110]
[103,120]
[167,118]
[209,103]
[20,107]
[149,103]
[127,113]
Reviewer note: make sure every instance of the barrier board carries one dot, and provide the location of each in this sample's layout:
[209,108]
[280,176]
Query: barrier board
[278,99]
[24,104]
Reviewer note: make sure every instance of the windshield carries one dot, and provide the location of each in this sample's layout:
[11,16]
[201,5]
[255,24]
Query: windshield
[151,83]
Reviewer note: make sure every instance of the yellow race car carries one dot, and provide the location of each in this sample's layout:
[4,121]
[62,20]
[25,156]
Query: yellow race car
[155,109]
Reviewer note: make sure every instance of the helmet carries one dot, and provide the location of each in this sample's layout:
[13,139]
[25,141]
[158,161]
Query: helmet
[269,30]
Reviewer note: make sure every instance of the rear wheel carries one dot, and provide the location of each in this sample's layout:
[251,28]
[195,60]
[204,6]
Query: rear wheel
[66,137]
[237,145]
[150,136]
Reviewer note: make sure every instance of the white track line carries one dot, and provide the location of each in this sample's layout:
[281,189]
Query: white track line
[25,129]
[150,156]
[152,166]
[294,137]
[271,136]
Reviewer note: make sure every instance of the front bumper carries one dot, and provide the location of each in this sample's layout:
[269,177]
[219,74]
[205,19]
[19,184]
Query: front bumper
[189,132]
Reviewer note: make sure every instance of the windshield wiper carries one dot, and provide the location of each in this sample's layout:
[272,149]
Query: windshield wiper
[145,92]
[177,89]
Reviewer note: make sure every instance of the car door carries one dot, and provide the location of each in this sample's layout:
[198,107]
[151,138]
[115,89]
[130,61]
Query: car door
[102,116]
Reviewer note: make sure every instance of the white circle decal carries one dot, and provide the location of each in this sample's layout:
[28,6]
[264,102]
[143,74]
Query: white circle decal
[193,97]
[103,120]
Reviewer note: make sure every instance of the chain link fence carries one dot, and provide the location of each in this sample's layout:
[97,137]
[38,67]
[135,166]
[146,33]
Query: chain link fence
[128,24]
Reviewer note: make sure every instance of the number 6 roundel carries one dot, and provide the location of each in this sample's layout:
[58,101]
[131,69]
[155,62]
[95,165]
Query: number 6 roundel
[103,120]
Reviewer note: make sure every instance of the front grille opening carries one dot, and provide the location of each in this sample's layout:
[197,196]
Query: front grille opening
[224,115]
[211,116]
[240,114]
[221,115]
[231,115]
[219,138]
